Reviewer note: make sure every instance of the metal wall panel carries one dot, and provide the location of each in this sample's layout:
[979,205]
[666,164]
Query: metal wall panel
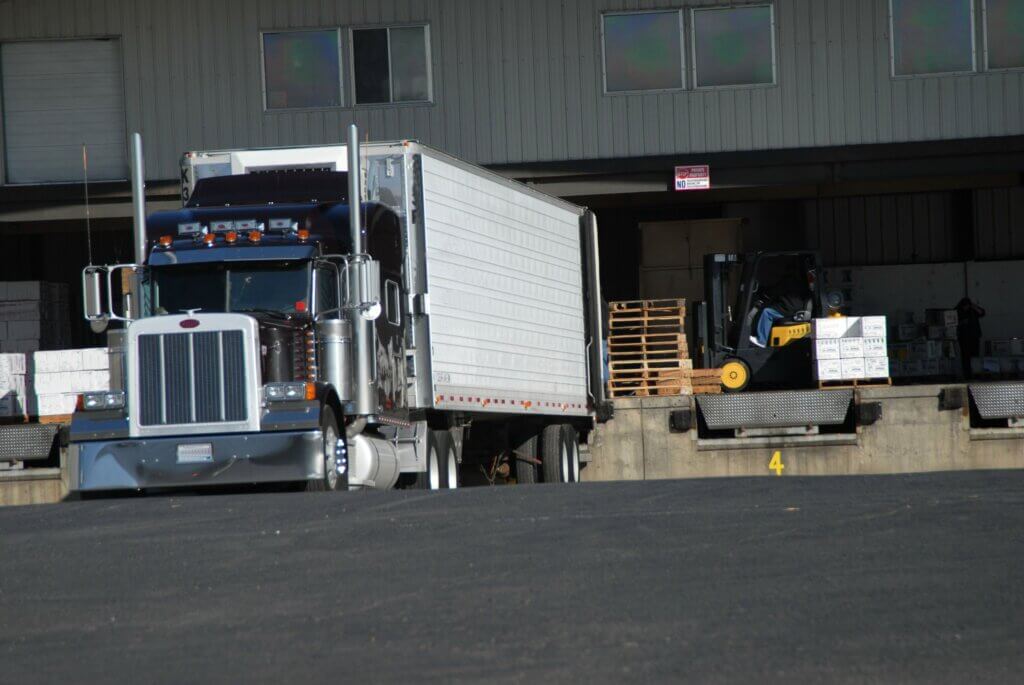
[520,80]
[999,223]
[882,229]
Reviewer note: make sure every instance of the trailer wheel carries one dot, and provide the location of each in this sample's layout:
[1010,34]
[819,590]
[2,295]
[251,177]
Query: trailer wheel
[574,455]
[555,453]
[442,470]
[331,480]
[526,470]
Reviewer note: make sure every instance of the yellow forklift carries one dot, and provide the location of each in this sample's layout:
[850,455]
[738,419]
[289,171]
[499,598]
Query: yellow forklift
[737,290]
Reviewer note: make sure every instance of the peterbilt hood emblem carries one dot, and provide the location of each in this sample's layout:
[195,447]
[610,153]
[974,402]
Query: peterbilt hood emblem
[189,323]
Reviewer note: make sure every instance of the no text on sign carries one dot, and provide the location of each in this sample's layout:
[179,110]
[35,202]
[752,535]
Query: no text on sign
[693,177]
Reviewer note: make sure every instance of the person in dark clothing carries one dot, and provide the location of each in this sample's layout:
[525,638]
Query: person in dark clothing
[968,332]
[787,299]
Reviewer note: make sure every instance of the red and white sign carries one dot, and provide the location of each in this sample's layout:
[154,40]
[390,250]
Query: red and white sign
[694,177]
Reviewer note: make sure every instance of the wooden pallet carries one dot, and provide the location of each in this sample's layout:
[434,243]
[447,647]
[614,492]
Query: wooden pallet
[645,305]
[647,349]
[855,383]
[707,389]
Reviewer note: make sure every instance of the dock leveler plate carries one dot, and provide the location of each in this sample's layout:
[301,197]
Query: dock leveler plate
[779,409]
[998,400]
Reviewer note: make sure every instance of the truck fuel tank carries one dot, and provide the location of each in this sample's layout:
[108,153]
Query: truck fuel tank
[335,355]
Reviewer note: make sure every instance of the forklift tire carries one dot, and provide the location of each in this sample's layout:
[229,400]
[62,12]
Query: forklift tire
[735,375]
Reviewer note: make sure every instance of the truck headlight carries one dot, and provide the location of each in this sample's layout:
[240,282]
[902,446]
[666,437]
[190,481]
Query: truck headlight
[96,401]
[289,392]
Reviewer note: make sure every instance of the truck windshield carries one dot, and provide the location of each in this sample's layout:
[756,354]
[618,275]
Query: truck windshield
[232,287]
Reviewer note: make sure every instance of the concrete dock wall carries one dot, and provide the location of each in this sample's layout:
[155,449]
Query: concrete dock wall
[913,435]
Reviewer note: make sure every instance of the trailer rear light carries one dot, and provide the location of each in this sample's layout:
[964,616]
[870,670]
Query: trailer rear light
[166,240]
[231,237]
[96,401]
[289,392]
[255,237]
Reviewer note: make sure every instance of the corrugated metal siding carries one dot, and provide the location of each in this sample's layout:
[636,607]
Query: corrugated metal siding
[999,223]
[520,80]
[884,229]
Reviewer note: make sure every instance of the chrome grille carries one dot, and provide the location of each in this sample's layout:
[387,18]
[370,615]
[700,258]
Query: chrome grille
[191,378]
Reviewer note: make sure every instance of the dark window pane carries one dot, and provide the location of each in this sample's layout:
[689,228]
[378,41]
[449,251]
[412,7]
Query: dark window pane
[370,49]
[931,36]
[642,51]
[733,46]
[409,64]
[301,69]
[1005,33]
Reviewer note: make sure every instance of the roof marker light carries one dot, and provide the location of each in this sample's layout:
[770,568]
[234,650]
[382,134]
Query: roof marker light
[209,238]
[166,240]
[255,237]
[303,235]
[231,237]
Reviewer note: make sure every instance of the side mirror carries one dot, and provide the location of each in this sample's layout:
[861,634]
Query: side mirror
[92,293]
[366,293]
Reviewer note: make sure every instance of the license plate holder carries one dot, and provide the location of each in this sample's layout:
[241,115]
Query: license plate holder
[195,453]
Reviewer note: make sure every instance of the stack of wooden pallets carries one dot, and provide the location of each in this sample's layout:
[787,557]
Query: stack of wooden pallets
[647,349]
[706,381]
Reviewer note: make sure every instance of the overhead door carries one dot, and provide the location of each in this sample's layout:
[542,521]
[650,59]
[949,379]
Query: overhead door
[58,95]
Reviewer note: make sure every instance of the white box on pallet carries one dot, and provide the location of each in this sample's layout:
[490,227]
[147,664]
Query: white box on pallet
[70,382]
[851,348]
[52,405]
[12,363]
[873,326]
[835,327]
[11,383]
[875,347]
[876,367]
[853,368]
[826,348]
[828,370]
[93,359]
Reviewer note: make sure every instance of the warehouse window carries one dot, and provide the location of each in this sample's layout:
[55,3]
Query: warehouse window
[642,51]
[932,36]
[734,46]
[302,69]
[391,64]
[1004,34]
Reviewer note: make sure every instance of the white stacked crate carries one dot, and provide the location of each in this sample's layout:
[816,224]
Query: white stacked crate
[48,383]
[850,348]
[34,316]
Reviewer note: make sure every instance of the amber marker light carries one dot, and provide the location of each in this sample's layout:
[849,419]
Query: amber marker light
[303,235]
[166,240]
[255,237]
[209,238]
[231,237]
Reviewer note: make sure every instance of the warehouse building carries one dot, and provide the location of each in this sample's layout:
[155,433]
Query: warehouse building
[888,134]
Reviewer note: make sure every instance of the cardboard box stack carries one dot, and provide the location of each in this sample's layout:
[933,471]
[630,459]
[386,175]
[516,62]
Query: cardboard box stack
[48,383]
[850,348]
[927,348]
[34,316]
[1004,358]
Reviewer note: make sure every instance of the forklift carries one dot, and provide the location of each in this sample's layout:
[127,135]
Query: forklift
[737,290]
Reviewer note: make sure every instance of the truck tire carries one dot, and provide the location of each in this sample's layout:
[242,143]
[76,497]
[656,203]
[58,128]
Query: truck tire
[572,439]
[441,464]
[527,472]
[555,453]
[331,479]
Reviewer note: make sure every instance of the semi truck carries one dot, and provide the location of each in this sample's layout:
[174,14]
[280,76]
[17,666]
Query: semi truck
[365,315]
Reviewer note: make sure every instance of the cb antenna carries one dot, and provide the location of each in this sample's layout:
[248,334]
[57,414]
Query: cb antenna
[88,227]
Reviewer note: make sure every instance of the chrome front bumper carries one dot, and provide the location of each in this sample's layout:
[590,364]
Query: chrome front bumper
[132,464]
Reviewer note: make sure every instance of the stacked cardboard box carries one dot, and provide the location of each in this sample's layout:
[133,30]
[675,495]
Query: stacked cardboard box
[48,383]
[1002,358]
[850,348]
[928,347]
[34,316]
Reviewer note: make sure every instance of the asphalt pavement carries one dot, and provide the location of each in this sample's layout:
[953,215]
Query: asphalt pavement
[866,579]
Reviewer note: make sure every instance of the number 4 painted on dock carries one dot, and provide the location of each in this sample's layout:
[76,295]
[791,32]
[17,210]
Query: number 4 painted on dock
[776,464]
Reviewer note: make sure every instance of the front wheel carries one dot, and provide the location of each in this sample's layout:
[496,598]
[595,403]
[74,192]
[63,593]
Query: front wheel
[334,460]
